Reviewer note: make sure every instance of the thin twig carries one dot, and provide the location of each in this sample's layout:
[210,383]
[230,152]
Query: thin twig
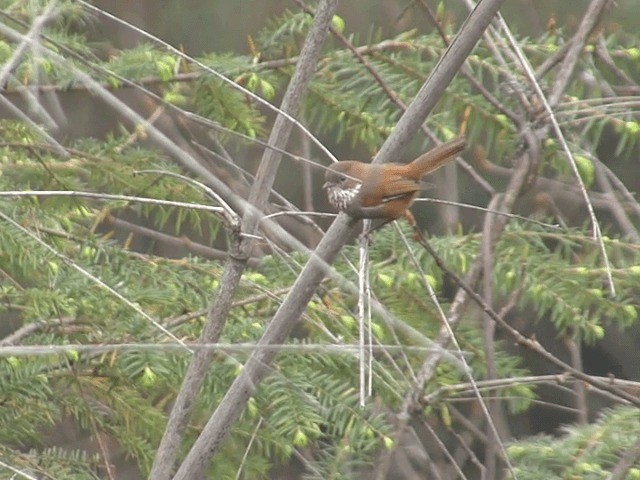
[443,448]
[17,471]
[530,344]
[109,196]
[552,380]
[246,450]
[616,208]
[33,327]
[470,453]
[230,216]
[569,63]
[95,431]
[603,54]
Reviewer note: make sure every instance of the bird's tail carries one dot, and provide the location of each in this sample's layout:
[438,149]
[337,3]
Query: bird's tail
[435,158]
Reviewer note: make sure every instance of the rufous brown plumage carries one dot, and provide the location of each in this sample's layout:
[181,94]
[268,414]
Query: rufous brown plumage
[384,191]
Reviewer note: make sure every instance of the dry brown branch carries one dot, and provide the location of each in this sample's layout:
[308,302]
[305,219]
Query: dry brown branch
[199,456]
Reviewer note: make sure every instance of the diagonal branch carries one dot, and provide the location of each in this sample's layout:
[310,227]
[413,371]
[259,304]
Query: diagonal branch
[590,19]
[528,343]
[626,462]
[194,465]
[257,367]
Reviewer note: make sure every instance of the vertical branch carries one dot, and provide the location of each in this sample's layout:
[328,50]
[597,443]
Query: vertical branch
[489,328]
[211,437]
[572,343]
[239,253]
[589,21]
[363,307]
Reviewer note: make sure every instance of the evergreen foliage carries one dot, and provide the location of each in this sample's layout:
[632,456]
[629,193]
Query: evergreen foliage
[588,452]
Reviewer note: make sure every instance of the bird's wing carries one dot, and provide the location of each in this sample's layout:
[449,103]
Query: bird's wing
[396,186]
[392,188]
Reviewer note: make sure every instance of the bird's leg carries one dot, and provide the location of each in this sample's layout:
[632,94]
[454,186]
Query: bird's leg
[373,229]
[417,233]
[365,235]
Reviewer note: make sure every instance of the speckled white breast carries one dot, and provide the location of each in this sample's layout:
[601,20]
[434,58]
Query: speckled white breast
[341,198]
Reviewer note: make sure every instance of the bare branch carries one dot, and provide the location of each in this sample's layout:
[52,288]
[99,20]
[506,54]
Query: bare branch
[257,366]
[626,462]
[590,19]
[575,354]
[205,446]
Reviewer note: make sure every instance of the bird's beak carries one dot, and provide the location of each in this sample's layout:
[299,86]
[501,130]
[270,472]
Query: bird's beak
[326,185]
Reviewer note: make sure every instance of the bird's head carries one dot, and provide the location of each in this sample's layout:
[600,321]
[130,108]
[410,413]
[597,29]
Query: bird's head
[342,183]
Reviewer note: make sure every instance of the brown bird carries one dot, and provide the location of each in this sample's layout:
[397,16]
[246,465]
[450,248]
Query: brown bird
[387,190]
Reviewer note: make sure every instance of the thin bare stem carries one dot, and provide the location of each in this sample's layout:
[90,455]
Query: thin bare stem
[230,215]
[33,327]
[16,471]
[547,105]
[364,311]
[557,380]
[443,448]
[493,212]
[109,196]
[246,450]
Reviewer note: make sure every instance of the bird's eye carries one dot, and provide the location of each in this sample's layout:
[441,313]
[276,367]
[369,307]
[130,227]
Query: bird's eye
[343,179]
